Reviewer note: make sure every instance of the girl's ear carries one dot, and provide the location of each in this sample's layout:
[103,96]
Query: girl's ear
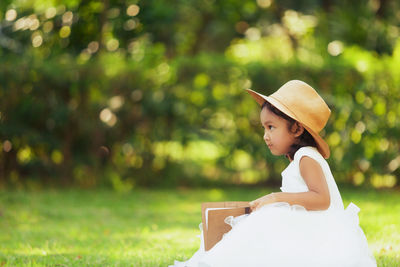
[298,129]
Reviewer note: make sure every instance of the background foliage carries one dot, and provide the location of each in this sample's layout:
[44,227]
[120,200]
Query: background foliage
[123,93]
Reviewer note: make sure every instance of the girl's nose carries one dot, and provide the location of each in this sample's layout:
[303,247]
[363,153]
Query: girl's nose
[266,137]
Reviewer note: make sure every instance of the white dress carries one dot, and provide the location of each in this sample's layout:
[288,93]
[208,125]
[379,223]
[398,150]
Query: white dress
[282,235]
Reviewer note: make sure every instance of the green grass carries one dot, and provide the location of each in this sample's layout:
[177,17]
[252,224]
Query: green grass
[147,227]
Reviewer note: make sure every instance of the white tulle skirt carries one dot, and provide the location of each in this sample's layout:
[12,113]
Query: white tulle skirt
[282,235]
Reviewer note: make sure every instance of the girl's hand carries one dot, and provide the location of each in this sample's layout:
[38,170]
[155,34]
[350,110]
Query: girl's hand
[259,202]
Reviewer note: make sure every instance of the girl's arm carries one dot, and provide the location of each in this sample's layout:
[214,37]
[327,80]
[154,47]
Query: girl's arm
[317,198]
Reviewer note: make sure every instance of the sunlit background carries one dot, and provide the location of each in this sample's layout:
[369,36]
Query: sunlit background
[122,94]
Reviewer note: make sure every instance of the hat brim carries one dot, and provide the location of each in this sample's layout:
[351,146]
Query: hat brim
[322,146]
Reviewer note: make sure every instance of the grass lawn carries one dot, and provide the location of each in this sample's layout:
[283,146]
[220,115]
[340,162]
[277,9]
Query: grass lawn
[147,227]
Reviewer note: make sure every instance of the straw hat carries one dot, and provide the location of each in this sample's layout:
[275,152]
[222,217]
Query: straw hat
[301,102]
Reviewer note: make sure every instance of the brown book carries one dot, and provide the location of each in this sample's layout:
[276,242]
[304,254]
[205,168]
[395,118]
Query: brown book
[213,216]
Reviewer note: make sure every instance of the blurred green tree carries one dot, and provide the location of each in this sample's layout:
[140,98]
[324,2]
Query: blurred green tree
[125,93]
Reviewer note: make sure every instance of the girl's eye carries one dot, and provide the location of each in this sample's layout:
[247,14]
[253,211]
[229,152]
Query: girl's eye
[270,127]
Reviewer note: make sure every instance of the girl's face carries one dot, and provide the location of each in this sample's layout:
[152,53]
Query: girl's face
[276,133]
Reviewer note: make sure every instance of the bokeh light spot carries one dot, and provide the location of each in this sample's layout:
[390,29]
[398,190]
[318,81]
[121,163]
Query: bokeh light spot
[11,14]
[65,31]
[57,157]
[7,146]
[34,24]
[136,95]
[201,80]
[358,178]
[127,149]
[130,24]
[381,181]
[50,12]
[132,10]
[241,26]
[67,18]
[264,3]
[394,164]
[37,39]
[335,48]
[362,65]
[24,155]
[334,139]
[360,126]
[48,26]
[93,47]
[112,45]
[253,34]
[108,117]
[116,102]
[355,136]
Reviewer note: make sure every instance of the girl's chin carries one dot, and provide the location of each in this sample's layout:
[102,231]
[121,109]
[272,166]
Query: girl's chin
[274,152]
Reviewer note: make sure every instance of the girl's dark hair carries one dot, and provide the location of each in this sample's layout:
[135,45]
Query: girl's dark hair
[305,139]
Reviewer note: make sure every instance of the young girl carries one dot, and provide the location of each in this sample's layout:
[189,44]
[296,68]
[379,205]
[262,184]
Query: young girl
[305,224]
